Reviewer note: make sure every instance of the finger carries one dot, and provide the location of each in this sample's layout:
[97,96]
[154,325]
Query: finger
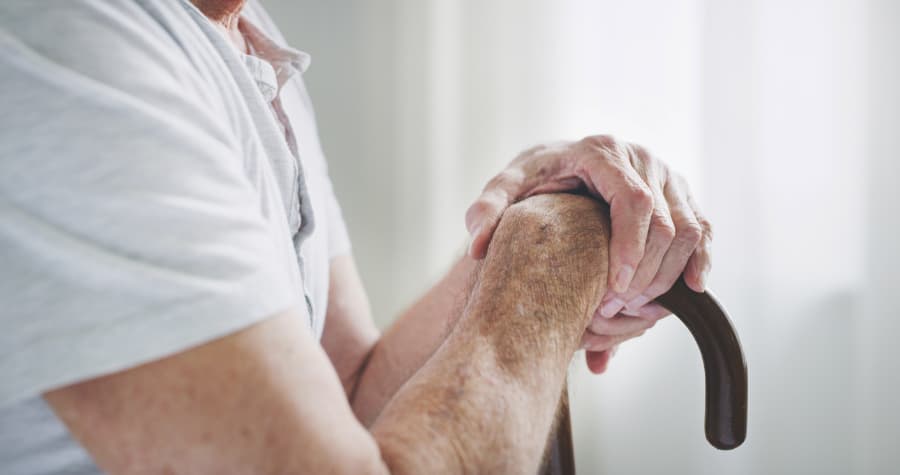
[611,304]
[688,234]
[605,342]
[650,311]
[630,205]
[619,325]
[659,238]
[484,214]
[696,274]
[593,342]
[598,361]
[700,262]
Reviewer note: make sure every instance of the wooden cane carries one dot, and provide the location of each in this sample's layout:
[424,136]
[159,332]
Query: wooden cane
[726,378]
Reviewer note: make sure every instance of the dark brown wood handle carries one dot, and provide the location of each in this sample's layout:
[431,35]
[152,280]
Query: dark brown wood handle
[723,362]
[726,378]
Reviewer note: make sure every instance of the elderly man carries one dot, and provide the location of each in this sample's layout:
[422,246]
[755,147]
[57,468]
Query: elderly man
[177,285]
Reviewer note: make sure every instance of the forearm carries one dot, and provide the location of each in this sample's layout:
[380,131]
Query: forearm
[485,401]
[411,340]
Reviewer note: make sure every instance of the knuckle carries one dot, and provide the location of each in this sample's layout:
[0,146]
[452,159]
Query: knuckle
[609,149]
[640,152]
[603,141]
[662,228]
[706,226]
[690,234]
[640,198]
[646,160]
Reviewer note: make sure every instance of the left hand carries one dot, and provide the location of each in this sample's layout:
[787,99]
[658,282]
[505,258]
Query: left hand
[658,232]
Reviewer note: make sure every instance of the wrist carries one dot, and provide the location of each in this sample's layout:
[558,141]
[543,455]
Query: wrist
[543,276]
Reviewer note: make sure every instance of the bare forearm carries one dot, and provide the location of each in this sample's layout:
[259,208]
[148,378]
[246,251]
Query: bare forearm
[411,340]
[485,401]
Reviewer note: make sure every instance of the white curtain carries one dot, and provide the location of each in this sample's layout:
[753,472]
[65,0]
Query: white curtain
[783,115]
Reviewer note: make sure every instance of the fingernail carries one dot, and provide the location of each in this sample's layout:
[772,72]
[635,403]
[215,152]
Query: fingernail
[609,309]
[623,279]
[637,302]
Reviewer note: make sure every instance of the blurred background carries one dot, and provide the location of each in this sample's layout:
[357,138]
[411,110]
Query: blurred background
[785,117]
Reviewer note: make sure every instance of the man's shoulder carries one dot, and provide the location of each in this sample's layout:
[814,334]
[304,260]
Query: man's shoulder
[117,43]
[108,66]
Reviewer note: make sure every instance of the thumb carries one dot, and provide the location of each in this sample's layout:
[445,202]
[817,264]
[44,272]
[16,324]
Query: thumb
[482,218]
[598,361]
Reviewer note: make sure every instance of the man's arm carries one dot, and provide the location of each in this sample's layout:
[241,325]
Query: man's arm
[265,399]
[373,367]
[661,233]
[501,370]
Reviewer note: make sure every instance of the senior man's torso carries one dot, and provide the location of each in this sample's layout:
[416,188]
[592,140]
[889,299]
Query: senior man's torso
[268,113]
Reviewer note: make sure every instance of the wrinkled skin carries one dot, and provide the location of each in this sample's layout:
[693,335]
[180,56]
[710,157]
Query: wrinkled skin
[658,231]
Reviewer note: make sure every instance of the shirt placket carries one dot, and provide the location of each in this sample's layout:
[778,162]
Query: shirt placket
[269,80]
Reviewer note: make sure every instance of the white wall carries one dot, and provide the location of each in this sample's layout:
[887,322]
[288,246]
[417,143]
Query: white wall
[877,427]
[785,93]
[782,113]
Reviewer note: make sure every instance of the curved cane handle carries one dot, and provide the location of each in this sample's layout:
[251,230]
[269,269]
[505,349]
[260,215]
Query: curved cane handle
[726,378]
[723,361]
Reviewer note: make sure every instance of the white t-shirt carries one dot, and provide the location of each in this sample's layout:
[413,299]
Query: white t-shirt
[154,195]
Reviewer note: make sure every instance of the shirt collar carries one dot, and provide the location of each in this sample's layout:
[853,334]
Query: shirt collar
[279,63]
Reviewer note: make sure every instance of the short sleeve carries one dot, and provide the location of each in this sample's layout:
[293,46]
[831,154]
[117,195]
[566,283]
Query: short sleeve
[129,230]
